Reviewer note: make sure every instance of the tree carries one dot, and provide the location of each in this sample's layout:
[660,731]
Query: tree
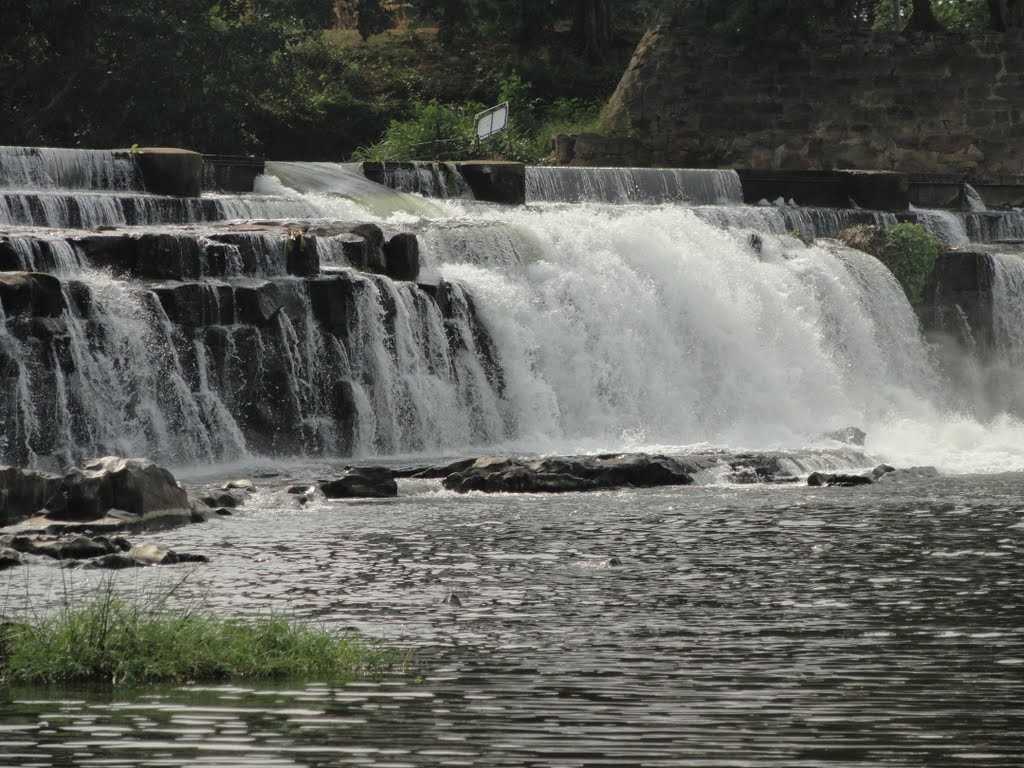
[372,18]
[1006,14]
[923,18]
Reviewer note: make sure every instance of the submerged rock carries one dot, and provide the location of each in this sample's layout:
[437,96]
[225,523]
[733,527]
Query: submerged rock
[362,483]
[569,474]
[819,479]
[220,499]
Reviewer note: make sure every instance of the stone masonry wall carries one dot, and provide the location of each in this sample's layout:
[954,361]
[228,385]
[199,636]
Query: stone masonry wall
[929,104]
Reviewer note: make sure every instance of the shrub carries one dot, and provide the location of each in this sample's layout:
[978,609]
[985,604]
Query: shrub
[910,252]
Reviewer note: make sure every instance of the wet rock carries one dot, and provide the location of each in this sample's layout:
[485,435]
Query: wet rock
[402,254]
[300,490]
[362,483]
[115,562]
[374,251]
[138,487]
[31,294]
[239,485]
[453,600]
[230,499]
[848,435]
[258,304]
[23,492]
[751,469]
[881,471]
[437,471]
[223,512]
[9,558]
[570,474]
[821,479]
[614,562]
[75,547]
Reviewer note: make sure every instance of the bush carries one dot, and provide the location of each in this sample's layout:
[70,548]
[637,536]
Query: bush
[113,642]
[910,252]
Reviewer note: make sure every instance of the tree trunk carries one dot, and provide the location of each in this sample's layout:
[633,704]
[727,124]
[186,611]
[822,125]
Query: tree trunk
[592,27]
[923,18]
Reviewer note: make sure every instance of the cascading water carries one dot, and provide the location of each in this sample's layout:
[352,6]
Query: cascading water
[544,327]
[638,185]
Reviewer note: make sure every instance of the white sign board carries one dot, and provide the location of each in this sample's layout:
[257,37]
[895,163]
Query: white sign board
[492,121]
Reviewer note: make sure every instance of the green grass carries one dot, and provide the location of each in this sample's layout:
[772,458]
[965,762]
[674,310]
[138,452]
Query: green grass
[110,641]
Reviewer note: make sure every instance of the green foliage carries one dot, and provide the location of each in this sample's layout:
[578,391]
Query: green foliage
[440,131]
[109,641]
[910,251]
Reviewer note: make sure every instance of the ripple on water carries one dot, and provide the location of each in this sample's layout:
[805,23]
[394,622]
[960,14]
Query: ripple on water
[878,627]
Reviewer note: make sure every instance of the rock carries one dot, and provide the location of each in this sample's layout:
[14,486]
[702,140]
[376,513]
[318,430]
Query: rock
[402,255]
[240,485]
[74,547]
[229,499]
[115,562]
[9,558]
[362,483]
[138,487]
[452,600]
[166,171]
[23,492]
[881,470]
[374,251]
[31,294]
[223,512]
[569,474]
[848,435]
[435,472]
[819,479]
[300,490]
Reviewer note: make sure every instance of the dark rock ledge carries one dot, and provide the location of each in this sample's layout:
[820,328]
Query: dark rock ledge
[74,518]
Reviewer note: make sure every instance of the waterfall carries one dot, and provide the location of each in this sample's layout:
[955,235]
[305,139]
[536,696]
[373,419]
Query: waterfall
[947,226]
[632,185]
[48,168]
[430,179]
[1008,309]
[656,326]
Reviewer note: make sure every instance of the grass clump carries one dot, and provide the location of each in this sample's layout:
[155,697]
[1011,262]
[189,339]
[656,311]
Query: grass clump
[111,641]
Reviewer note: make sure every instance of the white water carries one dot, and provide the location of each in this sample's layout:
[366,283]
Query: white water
[614,327]
[641,185]
[52,168]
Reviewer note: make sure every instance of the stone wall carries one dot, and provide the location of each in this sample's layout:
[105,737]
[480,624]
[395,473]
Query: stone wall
[931,104]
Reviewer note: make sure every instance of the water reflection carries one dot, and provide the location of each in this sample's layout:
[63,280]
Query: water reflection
[707,626]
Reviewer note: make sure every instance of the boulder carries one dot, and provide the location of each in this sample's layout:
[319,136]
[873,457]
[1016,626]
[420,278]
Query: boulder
[31,294]
[9,558]
[138,488]
[881,471]
[362,483]
[402,255]
[569,474]
[819,479]
[23,492]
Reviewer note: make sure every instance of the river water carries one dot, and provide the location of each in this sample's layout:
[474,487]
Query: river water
[707,626]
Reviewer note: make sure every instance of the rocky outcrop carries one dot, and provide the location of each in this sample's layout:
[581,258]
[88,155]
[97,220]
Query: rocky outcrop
[569,474]
[104,494]
[88,551]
